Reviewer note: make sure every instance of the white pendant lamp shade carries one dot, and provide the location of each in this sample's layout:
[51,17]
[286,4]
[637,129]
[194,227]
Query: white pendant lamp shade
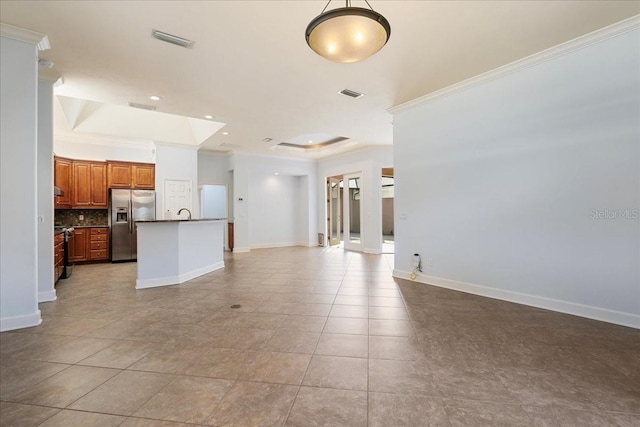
[348,34]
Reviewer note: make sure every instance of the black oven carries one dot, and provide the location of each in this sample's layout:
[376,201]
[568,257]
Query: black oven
[67,266]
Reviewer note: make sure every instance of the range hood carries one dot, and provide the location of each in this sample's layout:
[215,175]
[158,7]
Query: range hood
[57,191]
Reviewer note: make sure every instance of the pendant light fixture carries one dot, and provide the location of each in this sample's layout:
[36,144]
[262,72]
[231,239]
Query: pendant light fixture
[348,34]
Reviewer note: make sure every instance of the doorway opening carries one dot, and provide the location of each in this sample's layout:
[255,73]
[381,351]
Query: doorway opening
[387,192]
[344,213]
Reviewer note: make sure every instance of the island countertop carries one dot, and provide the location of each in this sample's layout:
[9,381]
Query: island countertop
[183,220]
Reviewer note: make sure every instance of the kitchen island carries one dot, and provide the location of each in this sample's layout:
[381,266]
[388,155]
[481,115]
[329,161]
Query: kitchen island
[175,251]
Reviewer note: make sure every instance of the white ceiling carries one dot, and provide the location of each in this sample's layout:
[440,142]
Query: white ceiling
[250,66]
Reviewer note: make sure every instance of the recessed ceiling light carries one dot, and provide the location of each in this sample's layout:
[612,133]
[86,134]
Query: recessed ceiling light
[276,173]
[225,133]
[155,98]
[208,117]
[310,141]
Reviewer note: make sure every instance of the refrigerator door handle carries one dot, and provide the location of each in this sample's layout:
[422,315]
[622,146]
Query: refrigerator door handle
[130,216]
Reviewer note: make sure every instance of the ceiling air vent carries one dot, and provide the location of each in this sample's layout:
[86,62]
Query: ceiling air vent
[170,38]
[142,106]
[351,93]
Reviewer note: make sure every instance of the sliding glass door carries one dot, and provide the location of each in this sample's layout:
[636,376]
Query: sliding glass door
[352,208]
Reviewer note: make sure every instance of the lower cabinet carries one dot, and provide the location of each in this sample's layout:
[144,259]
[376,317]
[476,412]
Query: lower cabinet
[58,256]
[99,244]
[89,244]
[78,245]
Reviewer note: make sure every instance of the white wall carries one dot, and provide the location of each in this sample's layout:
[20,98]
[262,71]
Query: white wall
[304,227]
[370,162]
[85,147]
[46,290]
[18,185]
[499,183]
[270,212]
[274,203]
[213,168]
[176,163]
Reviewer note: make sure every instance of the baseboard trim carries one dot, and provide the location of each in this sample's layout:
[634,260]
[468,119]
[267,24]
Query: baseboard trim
[241,250]
[273,245]
[590,312]
[176,280]
[47,296]
[19,322]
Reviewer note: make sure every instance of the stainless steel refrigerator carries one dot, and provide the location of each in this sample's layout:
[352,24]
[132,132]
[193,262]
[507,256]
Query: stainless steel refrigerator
[125,208]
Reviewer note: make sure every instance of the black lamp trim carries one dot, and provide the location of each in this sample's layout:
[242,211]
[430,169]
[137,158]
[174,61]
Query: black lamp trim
[346,11]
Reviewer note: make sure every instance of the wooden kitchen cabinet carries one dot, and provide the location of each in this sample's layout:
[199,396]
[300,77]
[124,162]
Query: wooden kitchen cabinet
[89,184]
[144,176]
[78,245]
[99,244]
[58,256]
[131,175]
[119,175]
[63,178]
[89,244]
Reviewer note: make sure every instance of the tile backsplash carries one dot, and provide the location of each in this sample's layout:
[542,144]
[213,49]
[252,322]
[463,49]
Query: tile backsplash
[72,217]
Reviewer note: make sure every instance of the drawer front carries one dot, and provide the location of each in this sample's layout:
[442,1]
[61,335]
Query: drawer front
[98,245]
[99,237]
[57,257]
[98,254]
[58,238]
[99,231]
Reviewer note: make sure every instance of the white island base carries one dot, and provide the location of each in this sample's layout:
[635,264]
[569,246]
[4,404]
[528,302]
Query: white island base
[172,252]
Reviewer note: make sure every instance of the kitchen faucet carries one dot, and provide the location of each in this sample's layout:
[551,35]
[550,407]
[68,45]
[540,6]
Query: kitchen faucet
[185,209]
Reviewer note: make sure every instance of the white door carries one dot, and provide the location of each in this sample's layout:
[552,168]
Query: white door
[352,212]
[177,195]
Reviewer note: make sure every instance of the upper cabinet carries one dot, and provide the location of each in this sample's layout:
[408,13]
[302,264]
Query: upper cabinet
[144,176]
[131,175]
[85,183]
[89,184]
[63,177]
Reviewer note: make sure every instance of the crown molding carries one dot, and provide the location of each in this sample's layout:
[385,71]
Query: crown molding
[565,48]
[24,35]
[50,76]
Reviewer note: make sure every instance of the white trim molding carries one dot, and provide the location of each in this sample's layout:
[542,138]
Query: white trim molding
[581,42]
[24,35]
[19,322]
[50,76]
[47,296]
[590,312]
[176,280]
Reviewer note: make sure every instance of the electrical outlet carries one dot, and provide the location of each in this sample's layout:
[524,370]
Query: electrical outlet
[429,262]
[81,217]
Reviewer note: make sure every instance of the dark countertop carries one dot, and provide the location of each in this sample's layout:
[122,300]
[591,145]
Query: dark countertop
[185,220]
[59,228]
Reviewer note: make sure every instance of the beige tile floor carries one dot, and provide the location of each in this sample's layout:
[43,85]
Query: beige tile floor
[322,338]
